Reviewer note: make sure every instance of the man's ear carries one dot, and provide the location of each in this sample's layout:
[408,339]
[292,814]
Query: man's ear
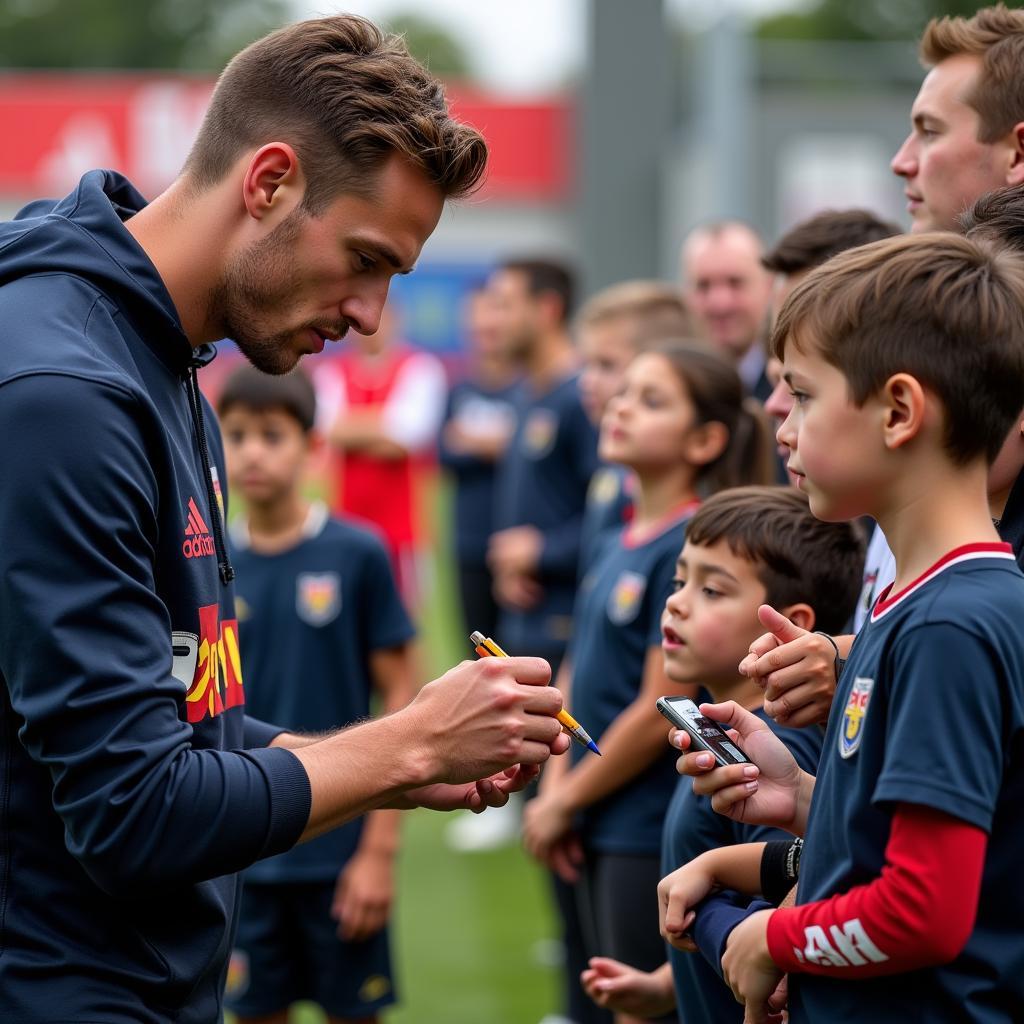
[906,409]
[801,615]
[274,183]
[1015,172]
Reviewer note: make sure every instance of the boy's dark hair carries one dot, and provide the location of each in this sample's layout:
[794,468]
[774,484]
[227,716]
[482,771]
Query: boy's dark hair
[718,396]
[813,241]
[647,311]
[346,96]
[797,557]
[546,275]
[945,309]
[997,215]
[291,392]
[996,35]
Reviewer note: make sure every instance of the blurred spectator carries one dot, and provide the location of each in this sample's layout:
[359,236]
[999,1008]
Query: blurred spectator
[544,474]
[380,406]
[729,292]
[477,426]
[611,328]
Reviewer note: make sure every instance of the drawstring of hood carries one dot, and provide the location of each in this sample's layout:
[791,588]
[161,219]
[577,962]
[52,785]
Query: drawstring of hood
[227,573]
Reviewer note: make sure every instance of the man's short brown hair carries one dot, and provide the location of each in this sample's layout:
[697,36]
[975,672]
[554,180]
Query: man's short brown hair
[798,558]
[346,96]
[819,238]
[996,35]
[947,310]
[648,311]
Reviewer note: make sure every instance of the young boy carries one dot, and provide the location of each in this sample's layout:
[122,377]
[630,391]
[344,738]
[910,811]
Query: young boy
[320,627]
[906,360]
[743,547]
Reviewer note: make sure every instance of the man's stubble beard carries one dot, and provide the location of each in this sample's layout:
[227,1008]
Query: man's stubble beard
[256,286]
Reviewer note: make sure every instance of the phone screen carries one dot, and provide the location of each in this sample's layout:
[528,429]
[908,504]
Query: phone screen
[682,711]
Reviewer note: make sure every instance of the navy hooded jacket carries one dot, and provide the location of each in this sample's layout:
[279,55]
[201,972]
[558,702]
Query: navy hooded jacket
[128,799]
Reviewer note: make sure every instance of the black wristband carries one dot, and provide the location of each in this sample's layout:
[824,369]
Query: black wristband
[840,660]
[780,868]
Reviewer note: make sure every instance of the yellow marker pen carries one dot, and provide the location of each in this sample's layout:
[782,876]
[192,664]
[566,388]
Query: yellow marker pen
[487,648]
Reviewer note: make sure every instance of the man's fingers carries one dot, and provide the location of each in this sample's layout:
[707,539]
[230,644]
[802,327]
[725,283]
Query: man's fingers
[779,625]
[530,671]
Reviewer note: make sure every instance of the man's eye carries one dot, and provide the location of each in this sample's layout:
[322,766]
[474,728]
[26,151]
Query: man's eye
[365,262]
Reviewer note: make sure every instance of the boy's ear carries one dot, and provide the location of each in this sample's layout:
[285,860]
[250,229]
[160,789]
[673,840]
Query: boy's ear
[906,409]
[801,615]
[706,442]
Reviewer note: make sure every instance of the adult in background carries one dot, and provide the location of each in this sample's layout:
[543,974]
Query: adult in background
[728,291]
[478,423]
[546,469]
[380,404]
[133,786]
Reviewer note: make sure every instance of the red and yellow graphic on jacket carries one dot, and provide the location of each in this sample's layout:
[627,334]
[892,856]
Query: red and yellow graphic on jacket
[217,682]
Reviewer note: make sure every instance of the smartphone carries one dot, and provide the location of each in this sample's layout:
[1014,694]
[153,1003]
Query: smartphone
[705,734]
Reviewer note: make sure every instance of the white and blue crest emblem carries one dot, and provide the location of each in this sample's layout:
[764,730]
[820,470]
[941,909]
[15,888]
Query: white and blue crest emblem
[851,731]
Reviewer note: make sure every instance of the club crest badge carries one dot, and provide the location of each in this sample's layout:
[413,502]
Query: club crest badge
[855,715]
[624,600]
[604,486]
[318,597]
[539,433]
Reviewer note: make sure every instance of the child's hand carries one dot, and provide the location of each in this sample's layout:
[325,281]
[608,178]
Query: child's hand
[363,895]
[546,820]
[771,791]
[624,989]
[797,669]
[749,970]
[678,894]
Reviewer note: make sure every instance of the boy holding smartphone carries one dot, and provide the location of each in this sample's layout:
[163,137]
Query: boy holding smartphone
[744,546]
[906,361]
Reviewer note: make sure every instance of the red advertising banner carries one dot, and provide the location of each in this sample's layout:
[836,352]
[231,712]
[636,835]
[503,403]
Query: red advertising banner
[57,126]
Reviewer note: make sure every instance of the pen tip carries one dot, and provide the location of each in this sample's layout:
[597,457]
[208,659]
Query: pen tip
[593,746]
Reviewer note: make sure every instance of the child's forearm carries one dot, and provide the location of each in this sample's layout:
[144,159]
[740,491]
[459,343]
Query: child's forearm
[735,867]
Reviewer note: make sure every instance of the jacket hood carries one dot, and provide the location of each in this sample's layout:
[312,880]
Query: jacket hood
[83,234]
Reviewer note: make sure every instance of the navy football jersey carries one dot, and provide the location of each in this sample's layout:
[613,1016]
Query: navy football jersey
[542,482]
[609,507]
[617,619]
[929,711]
[693,828]
[308,620]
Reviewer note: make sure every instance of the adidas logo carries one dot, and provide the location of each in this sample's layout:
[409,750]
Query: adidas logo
[198,542]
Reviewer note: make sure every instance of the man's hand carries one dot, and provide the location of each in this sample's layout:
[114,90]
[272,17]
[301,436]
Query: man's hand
[484,716]
[473,796]
[749,970]
[771,791]
[516,550]
[363,895]
[796,669]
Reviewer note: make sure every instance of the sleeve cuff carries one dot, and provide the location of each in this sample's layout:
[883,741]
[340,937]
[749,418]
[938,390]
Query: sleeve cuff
[257,734]
[780,948]
[291,798]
